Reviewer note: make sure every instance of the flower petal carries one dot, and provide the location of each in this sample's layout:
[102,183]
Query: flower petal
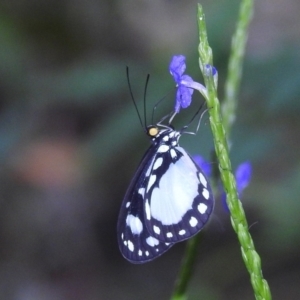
[177,67]
[183,97]
[243,176]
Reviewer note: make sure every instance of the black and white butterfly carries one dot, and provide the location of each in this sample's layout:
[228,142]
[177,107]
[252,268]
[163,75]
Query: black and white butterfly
[169,198]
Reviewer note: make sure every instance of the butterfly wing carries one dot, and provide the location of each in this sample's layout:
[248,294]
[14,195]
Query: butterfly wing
[135,242]
[178,199]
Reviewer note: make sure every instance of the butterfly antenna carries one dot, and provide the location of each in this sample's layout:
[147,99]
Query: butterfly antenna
[131,94]
[145,93]
[156,105]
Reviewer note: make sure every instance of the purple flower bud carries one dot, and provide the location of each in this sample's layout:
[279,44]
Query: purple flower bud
[211,70]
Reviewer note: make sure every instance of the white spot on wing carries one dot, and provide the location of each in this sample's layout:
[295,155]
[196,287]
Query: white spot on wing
[169,234]
[176,192]
[157,163]
[166,138]
[147,253]
[202,208]
[130,246]
[142,191]
[173,153]
[182,232]
[202,179]
[151,181]
[193,221]
[205,194]
[140,252]
[147,210]
[151,241]
[163,148]
[156,229]
[125,243]
[135,224]
[122,236]
[127,204]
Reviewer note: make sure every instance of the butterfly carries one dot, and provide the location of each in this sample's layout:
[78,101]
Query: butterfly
[168,200]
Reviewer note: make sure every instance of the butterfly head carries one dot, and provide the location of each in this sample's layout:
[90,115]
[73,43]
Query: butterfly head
[152,131]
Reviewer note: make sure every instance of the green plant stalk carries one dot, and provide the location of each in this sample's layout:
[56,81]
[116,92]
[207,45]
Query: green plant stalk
[229,110]
[238,218]
[235,65]
[186,269]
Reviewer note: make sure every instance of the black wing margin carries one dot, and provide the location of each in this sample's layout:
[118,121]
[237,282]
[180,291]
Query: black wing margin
[135,242]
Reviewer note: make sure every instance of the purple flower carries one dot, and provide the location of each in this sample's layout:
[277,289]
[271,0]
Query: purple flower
[242,175]
[184,94]
[185,84]
[203,164]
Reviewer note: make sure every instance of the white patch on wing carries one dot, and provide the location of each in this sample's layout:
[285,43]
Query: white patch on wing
[130,246]
[202,208]
[166,138]
[151,182]
[169,234]
[176,192]
[181,232]
[157,163]
[147,210]
[193,221]
[141,191]
[151,241]
[205,194]
[147,253]
[156,229]
[173,153]
[202,179]
[127,204]
[163,148]
[140,252]
[135,224]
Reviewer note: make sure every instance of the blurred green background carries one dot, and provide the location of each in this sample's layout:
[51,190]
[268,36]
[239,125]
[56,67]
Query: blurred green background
[70,142]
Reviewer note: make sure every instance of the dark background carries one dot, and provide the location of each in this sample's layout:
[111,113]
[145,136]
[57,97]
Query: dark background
[70,141]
